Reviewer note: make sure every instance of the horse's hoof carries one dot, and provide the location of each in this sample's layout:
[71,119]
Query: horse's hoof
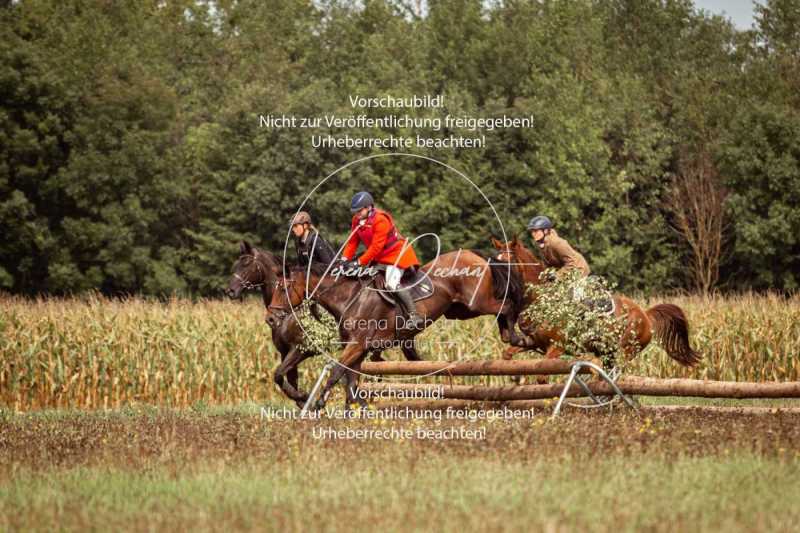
[521,342]
[511,351]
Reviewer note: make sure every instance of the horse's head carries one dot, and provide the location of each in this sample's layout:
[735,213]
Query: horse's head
[289,294]
[251,270]
[504,249]
[509,251]
[515,252]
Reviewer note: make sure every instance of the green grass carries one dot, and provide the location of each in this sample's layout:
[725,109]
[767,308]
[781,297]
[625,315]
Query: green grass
[408,492]
[719,402]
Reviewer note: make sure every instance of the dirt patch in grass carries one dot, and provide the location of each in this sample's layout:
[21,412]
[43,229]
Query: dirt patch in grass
[130,439]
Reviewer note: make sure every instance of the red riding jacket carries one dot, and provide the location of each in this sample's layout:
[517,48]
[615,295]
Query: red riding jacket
[383,242]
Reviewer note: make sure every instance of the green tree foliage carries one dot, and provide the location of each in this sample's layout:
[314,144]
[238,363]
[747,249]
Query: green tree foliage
[131,157]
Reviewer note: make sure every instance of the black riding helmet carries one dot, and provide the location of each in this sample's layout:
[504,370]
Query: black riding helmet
[539,222]
[360,200]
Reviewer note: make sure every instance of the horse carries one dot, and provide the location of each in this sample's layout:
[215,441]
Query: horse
[461,290]
[666,322]
[260,269]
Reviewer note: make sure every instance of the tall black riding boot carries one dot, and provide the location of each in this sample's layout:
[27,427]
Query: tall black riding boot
[412,319]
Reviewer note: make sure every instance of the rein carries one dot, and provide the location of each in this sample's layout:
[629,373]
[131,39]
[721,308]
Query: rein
[281,312]
[246,283]
[513,258]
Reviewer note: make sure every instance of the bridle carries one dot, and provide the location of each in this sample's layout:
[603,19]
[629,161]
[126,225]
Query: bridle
[513,257]
[246,283]
[280,311]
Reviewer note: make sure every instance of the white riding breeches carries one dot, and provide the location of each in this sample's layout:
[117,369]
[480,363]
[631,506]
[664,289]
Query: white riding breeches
[393,276]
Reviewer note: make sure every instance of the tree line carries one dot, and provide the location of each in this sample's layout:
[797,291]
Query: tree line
[666,145]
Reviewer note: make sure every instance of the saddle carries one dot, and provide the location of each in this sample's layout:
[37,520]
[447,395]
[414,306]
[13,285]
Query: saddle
[592,295]
[605,305]
[416,281]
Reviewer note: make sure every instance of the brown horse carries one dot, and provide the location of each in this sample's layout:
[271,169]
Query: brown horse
[461,290]
[666,321]
[259,269]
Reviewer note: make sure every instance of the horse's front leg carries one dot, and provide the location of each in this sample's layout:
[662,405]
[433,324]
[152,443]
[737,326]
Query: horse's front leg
[519,340]
[410,351]
[351,390]
[292,377]
[352,355]
[553,352]
[288,369]
[502,324]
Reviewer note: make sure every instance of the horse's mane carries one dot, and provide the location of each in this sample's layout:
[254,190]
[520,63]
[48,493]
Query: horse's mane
[317,267]
[529,252]
[504,275]
[264,257]
[271,258]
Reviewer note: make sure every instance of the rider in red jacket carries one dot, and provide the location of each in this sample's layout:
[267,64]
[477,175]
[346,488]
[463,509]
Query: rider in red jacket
[376,230]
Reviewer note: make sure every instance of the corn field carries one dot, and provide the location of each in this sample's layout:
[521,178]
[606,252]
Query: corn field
[92,352]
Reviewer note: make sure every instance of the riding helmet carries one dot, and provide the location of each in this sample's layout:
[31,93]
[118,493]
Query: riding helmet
[301,218]
[539,222]
[360,200]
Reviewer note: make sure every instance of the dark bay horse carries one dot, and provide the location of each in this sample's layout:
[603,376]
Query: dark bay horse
[462,290]
[666,321]
[260,269]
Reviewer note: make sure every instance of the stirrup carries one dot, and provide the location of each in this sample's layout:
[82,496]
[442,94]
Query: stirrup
[414,321]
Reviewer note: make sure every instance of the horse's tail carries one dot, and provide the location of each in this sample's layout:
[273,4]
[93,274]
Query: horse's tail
[672,330]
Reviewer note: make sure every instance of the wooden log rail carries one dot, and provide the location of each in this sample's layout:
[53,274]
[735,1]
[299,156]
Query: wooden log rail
[494,367]
[475,405]
[629,385]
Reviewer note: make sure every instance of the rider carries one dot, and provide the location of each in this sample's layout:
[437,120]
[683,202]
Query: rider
[556,252]
[310,245]
[375,228]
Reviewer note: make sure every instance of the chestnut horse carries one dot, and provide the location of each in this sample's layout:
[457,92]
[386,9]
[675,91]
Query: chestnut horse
[461,290]
[259,269]
[667,321]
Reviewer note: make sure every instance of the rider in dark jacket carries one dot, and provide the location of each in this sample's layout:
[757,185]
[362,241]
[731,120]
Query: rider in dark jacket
[309,243]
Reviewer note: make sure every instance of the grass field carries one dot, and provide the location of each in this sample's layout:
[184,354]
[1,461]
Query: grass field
[213,469]
[97,353]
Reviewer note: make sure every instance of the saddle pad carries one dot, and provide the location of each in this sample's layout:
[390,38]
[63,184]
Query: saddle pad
[416,281]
